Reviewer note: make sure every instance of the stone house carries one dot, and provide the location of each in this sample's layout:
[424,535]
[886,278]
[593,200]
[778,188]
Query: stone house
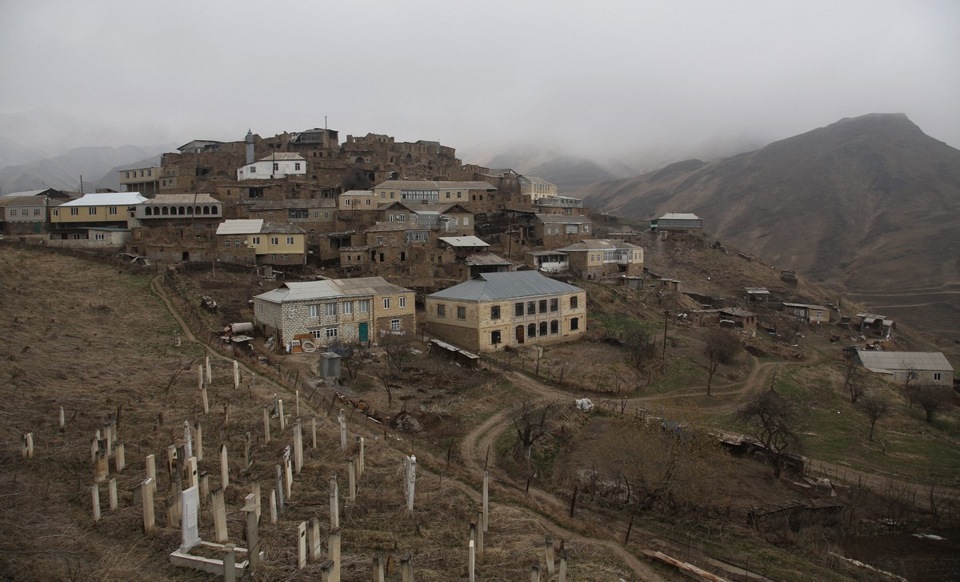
[558,229]
[921,368]
[596,258]
[476,196]
[877,325]
[559,205]
[677,221]
[361,310]
[514,309]
[255,242]
[25,214]
[144,180]
[547,261]
[180,209]
[533,188]
[276,165]
[808,313]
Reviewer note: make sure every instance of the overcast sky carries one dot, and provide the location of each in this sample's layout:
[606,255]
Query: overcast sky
[597,77]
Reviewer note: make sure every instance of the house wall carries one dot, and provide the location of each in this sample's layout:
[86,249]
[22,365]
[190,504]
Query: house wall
[86,214]
[294,318]
[264,169]
[475,331]
[924,377]
[109,240]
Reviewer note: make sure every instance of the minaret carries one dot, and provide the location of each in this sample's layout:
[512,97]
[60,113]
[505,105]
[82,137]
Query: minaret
[249,141]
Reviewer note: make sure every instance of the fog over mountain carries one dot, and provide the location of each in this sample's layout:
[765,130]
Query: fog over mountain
[868,205]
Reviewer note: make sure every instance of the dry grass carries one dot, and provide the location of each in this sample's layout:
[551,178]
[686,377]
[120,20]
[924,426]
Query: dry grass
[81,335]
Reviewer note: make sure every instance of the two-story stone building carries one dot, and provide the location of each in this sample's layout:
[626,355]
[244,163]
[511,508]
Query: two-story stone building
[361,310]
[596,258]
[496,310]
[253,241]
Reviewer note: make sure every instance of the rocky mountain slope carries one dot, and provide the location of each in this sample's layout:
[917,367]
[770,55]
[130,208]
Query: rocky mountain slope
[869,206]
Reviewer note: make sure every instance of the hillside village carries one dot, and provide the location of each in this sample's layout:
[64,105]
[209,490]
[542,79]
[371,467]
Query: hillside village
[390,280]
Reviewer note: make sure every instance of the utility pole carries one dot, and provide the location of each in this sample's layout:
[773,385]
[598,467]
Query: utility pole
[666,318]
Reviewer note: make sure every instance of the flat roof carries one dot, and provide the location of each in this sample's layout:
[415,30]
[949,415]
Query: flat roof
[463,241]
[240,226]
[435,185]
[679,216]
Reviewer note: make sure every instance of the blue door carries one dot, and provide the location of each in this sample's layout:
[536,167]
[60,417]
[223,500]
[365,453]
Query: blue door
[363,332]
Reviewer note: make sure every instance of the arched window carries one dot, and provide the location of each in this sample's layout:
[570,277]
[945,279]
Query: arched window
[214,210]
[147,211]
[164,210]
[189,209]
[182,211]
[358,161]
[543,328]
[532,330]
[206,210]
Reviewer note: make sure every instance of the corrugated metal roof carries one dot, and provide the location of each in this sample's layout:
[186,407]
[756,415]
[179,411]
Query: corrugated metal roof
[331,288]
[358,193]
[240,226]
[435,185]
[563,219]
[282,156]
[108,199]
[25,193]
[599,244]
[28,201]
[679,216]
[463,241]
[485,259]
[500,286]
[889,361]
[183,199]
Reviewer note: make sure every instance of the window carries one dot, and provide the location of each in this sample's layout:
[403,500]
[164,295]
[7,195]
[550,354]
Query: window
[317,333]
[330,309]
[819,315]
[402,301]
[937,376]
[394,325]
[236,243]
[113,211]
[543,306]
[74,211]
[495,312]
[554,304]
[330,332]
[574,302]
[13,212]
[532,330]
[364,304]
[226,243]
[531,307]
[296,166]
[290,240]
[274,240]
[575,323]
[347,307]
[92,210]
[379,240]
[276,167]
[314,311]
[99,236]
[518,309]
[554,326]
[386,303]
[256,240]
[461,312]
[441,310]
[543,328]
[495,337]
[36,212]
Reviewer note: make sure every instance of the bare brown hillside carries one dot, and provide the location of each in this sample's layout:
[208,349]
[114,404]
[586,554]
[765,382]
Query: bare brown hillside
[869,206]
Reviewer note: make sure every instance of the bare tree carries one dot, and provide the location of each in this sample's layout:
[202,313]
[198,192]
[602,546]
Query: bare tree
[875,407]
[773,419]
[854,381]
[398,348]
[721,348]
[640,347]
[931,398]
[353,356]
[532,424]
[383,374]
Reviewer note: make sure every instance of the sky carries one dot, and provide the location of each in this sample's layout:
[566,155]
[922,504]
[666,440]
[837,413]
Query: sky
[599,78]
